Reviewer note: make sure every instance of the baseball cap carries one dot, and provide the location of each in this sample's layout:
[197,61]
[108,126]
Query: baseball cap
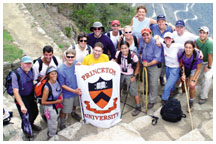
[50,69]
[97,25]
[116,22]
[26,59]
[168,34]
[180,23]
[204,28]
[146,30]
[161,17]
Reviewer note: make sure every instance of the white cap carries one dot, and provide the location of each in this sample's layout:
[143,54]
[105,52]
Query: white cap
[168,34]
[204,28]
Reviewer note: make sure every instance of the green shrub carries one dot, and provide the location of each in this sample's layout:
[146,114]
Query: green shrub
[68,32]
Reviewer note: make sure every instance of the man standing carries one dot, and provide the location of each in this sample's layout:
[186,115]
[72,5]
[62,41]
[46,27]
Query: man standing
[160,29]
[97,36]
[23,89]
[42,63]
[150,57]
[68,81]
[97,56]
[40,67]
[181,35]
[205,79]
[115,33]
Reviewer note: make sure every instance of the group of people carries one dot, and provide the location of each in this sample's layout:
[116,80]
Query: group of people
[162,48]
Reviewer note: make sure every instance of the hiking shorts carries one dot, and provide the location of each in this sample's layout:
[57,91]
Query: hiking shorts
[68,104]
[125,79]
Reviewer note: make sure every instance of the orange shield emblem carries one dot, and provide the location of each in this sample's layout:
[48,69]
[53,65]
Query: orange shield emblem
[100,92]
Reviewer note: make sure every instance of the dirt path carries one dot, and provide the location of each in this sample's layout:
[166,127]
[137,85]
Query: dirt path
[25,30]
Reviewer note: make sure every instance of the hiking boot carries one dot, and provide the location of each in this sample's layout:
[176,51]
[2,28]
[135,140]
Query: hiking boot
[202,101]
[136,111]
[162,83]
[75,116]
[62,127]
[150,105]
[35,127]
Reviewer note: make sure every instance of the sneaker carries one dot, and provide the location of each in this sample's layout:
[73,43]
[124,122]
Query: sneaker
[136,111]
[202,101]
[162,83]
[150,105]
[35,127]
[62,127]
[75,116]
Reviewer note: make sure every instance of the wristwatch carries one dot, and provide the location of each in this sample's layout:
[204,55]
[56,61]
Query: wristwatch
[209,67]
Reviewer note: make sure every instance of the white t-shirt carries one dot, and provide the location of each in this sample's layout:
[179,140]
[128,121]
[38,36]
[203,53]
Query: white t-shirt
[44,67]
[81,54]
[114,39]
[183,38]
[170,54]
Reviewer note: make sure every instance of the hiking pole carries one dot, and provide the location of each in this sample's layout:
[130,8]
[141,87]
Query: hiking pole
[126,98]
[154,118]
[84,120]
[186,91]
[146,77]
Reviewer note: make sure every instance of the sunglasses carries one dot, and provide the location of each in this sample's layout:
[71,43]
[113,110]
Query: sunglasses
[128,32]
[97,28]
[70,56]
[83,40]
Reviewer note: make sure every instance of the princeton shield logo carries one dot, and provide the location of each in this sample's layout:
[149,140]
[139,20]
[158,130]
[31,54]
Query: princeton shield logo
[100,92]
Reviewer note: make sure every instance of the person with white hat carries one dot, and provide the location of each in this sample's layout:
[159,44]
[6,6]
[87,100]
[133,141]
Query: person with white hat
[23,89]
[206,46]
[98,36]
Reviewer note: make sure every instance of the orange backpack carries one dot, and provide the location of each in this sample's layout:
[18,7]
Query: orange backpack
[38,89]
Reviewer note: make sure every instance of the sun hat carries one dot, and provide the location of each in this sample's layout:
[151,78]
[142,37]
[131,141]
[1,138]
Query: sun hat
[27,59]
[97,25]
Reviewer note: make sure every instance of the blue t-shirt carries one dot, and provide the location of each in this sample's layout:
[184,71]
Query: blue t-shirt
[156,30]
[66,76]
[150,51]
[25,84]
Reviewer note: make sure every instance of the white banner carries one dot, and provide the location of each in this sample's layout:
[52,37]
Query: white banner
[100,100]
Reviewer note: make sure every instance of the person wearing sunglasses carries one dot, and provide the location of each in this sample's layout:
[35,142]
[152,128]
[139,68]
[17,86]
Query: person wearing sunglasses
[68,82]
[97,56]
[140,21]
[151,56]
[51,93]
[130,38]
[82,48]
[98,36]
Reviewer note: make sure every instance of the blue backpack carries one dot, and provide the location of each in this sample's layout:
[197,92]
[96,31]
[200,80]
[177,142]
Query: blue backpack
[8,83]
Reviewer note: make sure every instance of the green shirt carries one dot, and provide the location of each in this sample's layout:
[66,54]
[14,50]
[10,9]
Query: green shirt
[206,48]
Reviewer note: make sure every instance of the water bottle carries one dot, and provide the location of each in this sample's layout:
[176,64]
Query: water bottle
[47,114]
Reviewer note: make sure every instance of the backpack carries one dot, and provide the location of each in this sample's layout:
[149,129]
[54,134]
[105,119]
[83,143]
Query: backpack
[8,82]
[129,59]
[188,71]
[7,117]
[108,33]
[88,48]
[171,111]
[41,62]
[135,41]
[38,89]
